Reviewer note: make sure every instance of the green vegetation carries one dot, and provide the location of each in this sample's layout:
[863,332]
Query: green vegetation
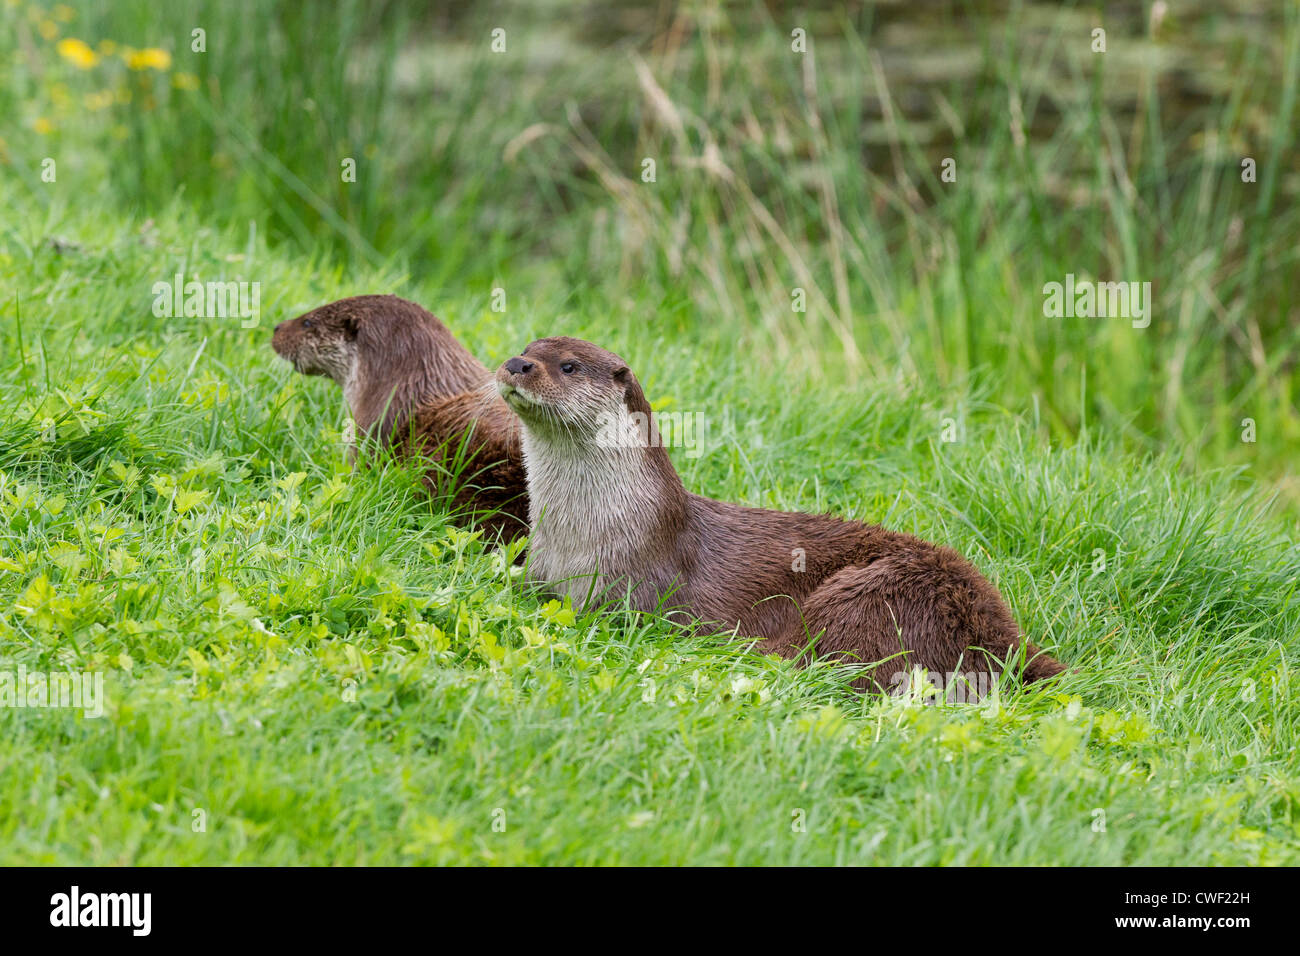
[325,670]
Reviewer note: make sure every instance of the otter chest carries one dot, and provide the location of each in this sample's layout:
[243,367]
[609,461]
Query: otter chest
[584,522]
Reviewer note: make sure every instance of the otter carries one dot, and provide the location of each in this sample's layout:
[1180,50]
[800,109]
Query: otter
[412,388]
[612,521]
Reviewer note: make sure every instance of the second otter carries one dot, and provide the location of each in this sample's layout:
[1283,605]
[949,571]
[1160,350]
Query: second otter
[610,518]
[410,385]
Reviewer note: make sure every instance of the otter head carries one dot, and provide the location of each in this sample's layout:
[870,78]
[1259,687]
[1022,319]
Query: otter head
[388,354]
[569,390]
[322,341]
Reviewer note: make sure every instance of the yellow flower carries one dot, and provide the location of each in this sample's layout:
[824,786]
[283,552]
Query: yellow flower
[43,126]
[48,29]
[78,52]
[107,47]
[149,59]
[185,81]
[63,13]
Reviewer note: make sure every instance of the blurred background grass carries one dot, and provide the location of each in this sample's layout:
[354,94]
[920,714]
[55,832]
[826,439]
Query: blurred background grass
[775,170]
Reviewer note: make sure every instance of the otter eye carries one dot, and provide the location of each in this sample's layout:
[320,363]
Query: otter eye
[306,323]
[567,368]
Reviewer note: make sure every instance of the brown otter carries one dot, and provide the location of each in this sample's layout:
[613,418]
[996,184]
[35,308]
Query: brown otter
[610,518]
[412,387]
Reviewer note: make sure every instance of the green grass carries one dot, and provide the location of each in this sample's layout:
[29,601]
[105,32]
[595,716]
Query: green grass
[774,171]
[331,674]
[315,660]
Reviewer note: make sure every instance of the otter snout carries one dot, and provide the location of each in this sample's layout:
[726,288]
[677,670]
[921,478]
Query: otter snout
[280,340]
[510,380]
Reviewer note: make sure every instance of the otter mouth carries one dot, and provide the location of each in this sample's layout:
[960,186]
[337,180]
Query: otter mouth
[514,396]
[292,359]
[289,355]
[300,364]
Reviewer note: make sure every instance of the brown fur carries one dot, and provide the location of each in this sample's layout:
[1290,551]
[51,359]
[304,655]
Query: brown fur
[412,387]
[611,518]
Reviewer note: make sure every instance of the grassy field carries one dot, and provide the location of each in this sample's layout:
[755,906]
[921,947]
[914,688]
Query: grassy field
[303,664]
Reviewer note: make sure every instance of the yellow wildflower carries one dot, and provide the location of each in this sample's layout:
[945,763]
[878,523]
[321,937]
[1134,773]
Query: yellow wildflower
[48,29]
[63,13]
[185,81]
[107,47]
[78,52]
[43,126]
[149,59]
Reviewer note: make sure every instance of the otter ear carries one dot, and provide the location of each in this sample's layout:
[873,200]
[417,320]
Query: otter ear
[350,326]
[622,374]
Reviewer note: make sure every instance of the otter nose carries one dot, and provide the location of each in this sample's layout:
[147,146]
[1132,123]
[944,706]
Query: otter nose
[518,366]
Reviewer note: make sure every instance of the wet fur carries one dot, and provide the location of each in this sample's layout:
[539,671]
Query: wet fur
[613,521]
[413,388]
